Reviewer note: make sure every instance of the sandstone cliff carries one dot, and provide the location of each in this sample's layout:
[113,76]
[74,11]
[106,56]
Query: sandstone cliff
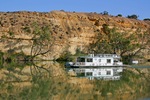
[70,30]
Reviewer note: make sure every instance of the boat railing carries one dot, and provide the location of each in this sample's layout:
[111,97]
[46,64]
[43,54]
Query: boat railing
[80,63]
[107,55]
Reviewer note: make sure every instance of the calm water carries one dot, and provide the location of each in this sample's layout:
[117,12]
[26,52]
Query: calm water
[52,81]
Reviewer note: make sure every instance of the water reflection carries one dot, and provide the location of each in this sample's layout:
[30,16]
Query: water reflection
[52,81]
[104,73]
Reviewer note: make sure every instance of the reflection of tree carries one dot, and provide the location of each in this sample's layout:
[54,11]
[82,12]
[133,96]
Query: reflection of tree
[38,71]
[15,73]
[46,88]
[134,79]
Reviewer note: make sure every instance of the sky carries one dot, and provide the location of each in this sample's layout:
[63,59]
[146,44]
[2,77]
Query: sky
[140,8]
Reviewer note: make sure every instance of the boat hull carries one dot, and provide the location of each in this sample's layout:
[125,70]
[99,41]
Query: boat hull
[74,66]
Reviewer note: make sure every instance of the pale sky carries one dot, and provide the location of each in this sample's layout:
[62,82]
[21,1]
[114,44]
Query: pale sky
[113,7]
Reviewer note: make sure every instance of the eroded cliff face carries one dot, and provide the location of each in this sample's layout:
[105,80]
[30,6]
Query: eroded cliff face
[69,30]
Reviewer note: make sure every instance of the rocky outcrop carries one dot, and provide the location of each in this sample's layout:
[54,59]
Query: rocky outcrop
[69,30]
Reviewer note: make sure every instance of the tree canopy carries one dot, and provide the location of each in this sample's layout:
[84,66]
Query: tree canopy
[133,16]
[113,41]
[41,39]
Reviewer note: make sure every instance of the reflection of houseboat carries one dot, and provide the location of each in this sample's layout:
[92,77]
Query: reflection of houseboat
[99,60]
[105,73]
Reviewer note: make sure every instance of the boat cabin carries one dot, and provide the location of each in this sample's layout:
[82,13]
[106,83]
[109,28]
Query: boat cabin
[99,60]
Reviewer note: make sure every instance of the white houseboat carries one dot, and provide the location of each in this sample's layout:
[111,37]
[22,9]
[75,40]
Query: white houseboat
[104,73]
[99,60]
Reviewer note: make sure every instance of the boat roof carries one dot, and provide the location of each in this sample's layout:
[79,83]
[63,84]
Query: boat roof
[101,56]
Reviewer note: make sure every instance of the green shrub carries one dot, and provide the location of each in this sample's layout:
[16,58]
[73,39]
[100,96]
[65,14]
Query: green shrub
[66,56]
[79,52]
[119,15]
[132,16]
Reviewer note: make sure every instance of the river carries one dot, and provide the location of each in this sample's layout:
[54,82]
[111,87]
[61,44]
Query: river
[52,81]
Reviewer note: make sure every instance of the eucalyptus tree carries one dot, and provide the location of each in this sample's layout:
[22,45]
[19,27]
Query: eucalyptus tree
[41,41]
[122,42]
[113,41]
[144,41]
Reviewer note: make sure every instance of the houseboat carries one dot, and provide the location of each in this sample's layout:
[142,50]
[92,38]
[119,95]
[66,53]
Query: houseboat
[98,60]
[101,73]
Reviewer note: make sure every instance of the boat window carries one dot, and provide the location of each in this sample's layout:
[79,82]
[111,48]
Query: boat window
[115,60]
[99,73]
[108,60]
[99,60]
[89,60]
[80,59]
[89,74]
[108,72]
[95,59]
[81,74]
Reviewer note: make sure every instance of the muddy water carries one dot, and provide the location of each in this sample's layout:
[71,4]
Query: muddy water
[51,81]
